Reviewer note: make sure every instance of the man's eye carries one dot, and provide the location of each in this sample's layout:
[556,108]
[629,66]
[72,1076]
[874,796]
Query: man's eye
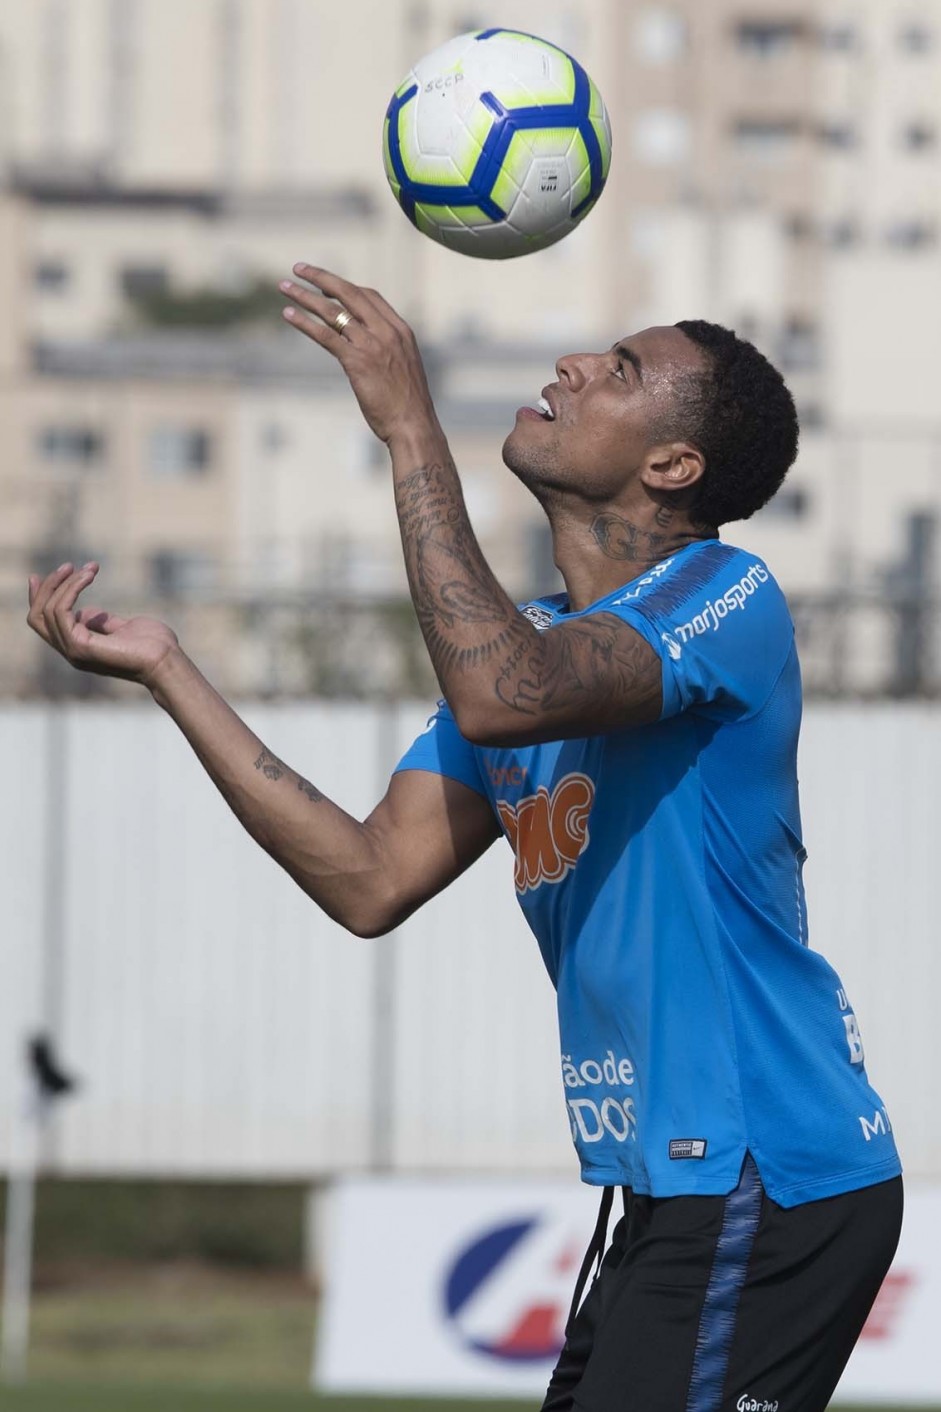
[619,371]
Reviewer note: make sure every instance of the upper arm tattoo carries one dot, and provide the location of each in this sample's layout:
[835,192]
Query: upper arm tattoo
[597,663]
[589,674]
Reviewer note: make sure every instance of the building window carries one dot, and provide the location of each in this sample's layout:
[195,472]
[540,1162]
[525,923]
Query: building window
[811,416]
[838,37]
[790,503]
[662,137]
[660,35]
[51,275]
[768,38]
[144,281]
[916,38]
[838,134]
[766,138]
[841,233]
[915,234]
[175,572]
[178,451]
[919,136]
[274,438]
[799,349]
[799,228]
[72,445]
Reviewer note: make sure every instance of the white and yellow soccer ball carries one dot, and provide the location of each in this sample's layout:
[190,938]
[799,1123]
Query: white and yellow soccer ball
[497,144]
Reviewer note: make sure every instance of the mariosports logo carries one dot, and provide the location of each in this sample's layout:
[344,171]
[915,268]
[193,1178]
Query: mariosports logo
[507,1292]
[714,613]
[548,832]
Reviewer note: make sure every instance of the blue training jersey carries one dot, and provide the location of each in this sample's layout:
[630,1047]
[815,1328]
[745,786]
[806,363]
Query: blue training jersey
[660,870]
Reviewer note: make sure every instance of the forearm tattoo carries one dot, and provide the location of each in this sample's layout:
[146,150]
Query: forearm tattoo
[311,790]
[274,769]
[271,767]
[470,625]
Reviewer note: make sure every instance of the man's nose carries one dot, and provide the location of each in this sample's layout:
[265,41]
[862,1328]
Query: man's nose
[576,369]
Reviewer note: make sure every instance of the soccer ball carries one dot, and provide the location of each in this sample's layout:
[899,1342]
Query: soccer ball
[497,144]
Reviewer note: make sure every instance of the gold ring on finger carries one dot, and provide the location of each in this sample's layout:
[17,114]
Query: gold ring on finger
[343,318]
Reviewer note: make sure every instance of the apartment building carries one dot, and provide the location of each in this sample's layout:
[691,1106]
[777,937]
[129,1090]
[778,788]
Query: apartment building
[776,167]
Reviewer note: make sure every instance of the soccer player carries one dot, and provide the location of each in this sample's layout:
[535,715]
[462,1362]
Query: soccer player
[634,738]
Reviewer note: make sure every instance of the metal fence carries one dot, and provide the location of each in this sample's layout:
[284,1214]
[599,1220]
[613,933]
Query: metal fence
[348,646]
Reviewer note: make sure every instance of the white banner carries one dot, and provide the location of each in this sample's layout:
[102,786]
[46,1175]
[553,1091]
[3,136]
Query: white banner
[448,1286]
[896,1360]
[462,1287]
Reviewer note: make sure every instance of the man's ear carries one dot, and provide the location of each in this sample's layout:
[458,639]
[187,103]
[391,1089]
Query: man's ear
[673,465]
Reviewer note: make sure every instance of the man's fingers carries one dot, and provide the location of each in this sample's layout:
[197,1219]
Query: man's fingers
[386,310]
[325,309]
[40,594]
[41,589]
[349,295]
[328,338]
[99,620]
[59,613]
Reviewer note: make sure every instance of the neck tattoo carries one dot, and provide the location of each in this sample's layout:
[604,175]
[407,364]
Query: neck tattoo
[618,538]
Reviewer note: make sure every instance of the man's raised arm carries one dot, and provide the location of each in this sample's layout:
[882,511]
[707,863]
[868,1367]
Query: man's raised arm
[367,875]
[506,683]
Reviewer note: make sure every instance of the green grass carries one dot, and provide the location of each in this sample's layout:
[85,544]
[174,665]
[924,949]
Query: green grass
[245,1225]
[58,1397]
[174,1323]
[116,1397]
[62,1397]
[178,1337]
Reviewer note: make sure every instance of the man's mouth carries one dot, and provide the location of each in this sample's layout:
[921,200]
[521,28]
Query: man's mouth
[542,410]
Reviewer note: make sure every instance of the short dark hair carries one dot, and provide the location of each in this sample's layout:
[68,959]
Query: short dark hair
[741,416]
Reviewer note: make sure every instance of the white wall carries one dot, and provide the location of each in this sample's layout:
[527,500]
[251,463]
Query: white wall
[221,1025]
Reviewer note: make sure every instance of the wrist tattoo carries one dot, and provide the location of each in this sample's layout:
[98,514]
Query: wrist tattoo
[452,586]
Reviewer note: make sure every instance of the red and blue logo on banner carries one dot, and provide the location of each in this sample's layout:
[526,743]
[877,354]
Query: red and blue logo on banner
[507,1292]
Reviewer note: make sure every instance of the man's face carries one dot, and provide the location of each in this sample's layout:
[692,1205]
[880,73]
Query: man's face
[608,410]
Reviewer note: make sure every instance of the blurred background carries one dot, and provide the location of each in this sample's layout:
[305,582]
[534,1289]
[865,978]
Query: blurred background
[777,167]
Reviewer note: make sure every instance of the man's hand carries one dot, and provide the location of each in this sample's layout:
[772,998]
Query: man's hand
[91,639]
[376,349]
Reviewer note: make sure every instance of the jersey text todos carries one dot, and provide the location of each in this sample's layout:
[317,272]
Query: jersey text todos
[548,832]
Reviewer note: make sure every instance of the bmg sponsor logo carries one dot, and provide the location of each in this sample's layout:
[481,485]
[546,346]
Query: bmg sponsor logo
[507,1292]
[548,832]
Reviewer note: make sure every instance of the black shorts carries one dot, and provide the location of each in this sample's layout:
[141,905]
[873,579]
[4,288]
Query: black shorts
[727,1303]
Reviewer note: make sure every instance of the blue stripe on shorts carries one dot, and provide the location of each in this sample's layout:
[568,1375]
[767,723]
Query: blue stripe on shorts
[717,1321]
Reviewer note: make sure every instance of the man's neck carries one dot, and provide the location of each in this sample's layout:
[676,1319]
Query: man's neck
[596,551]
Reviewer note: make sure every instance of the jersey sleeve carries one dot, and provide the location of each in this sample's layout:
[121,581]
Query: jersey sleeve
[723,634]
[442,750]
